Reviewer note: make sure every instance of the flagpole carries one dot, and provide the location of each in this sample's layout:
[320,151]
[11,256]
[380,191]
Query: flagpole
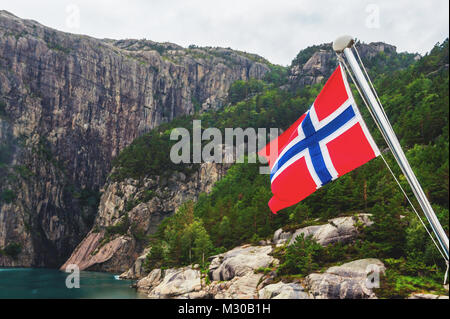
[343,45]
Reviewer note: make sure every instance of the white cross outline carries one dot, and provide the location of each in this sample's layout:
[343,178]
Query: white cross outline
[350,102]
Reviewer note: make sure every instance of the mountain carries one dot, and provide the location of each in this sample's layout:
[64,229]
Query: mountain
[142,191]
[360,219]
[69,104]
[229,219]
[85,176]
[316,63]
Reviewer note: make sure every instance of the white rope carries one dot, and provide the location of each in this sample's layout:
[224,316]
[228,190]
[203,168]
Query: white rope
[384,160]
[385,115]
[414,209]
[372,87]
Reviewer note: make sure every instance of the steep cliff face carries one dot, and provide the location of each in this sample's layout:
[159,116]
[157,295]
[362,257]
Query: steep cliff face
[316,63]
[68,104]
[131,210]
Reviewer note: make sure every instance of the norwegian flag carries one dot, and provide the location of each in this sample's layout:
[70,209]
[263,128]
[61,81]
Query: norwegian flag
[326,142]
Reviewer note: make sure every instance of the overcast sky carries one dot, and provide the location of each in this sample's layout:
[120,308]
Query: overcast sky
[276,29]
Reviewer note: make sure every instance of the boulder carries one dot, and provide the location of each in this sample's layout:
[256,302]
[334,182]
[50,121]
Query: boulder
[240,261]
[306,231]
[348,281]
[233,273]
[152,280]
[240,287]
[282,290]
[357,268]
[340,229]
[426,296]
[280,237]
[137,270]
[178,283]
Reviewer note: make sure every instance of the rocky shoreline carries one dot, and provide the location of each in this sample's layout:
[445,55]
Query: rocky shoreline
[249,272]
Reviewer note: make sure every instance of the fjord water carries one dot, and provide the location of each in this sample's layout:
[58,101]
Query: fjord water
[51,283]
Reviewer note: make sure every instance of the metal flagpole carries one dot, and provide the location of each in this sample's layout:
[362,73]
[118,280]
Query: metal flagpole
[343,45]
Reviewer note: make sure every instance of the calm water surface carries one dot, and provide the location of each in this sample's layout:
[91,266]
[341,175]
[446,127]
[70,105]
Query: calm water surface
[51,283]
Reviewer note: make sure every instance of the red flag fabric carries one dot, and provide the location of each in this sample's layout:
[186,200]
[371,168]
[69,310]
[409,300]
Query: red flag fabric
[326,142]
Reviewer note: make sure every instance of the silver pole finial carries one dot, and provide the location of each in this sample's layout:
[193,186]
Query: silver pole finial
[345,41]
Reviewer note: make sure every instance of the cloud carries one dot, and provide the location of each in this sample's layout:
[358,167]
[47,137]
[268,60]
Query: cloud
[276,30]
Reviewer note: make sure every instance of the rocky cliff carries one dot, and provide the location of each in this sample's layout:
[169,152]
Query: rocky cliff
[316,63]
[131,210]
[68,104]
[315,66]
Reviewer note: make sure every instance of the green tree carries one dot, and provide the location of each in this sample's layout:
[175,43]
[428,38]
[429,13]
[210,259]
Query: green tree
[202,245]
[301,256]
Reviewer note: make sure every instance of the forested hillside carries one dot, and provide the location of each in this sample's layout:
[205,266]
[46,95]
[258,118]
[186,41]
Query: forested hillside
[415,97]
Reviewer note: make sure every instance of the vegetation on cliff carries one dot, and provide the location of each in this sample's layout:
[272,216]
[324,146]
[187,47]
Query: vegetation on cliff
[415,96]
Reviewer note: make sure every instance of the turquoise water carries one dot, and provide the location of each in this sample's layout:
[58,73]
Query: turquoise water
[51,283]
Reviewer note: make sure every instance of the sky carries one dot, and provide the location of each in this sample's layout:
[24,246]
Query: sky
[276,30]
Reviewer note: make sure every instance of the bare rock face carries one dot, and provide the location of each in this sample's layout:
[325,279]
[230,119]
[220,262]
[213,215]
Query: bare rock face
[70,103]
[234,275]
[322,61]
[136,271]
[149,282]
[348,281]
[239,261]
[280,236]
[427,296]
[184,283]
[283,290]
[178,283]
[94,250]
[173,283]
[315,69]
[340,229]
[135,209]
[240,287]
